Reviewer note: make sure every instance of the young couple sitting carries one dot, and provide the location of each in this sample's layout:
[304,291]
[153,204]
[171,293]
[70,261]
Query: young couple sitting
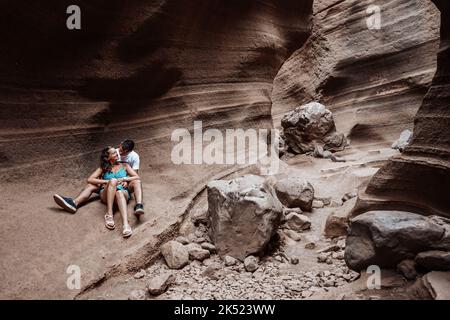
[115,180]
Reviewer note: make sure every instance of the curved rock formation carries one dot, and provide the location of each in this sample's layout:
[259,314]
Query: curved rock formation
[372,80]
[419,179]
[136,69]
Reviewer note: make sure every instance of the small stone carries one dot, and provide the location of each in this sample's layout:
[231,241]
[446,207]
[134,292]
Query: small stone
[292,234]
[137,295]
[306,294]
[317,204]
[330,248]
[295,192]
[341,243]
[213,271]
[310,245]
[287,211]
[339,255]
[294,260]
[322,257]
[196,252]
[434,260]
[196,264]
[182,240]
[140,274]
[353,275]
[403,141]
[408,269]
[175,254]
[191,237]
[298,222]
[198,233]
[350,195]
[336,203]
[200,240]
[329,261]
[159,284]
[325,201]
[229,261]
[328,283]
[251,264]
[208,246]
[337,222]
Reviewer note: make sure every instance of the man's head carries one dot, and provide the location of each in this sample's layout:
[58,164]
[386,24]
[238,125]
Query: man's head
[126,147]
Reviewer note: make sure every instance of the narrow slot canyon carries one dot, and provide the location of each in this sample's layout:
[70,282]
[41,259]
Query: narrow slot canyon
[286,148]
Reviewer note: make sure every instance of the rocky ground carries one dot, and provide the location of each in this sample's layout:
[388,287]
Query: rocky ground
[293,235]
[303,264]
[274,278]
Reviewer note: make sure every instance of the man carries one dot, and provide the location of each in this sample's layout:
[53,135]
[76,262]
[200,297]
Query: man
[126,155]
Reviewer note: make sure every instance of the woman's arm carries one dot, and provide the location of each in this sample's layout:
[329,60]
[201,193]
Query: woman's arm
[132,174]
[94,177]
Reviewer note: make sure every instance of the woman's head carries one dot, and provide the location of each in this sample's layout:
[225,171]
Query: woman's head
[108,157]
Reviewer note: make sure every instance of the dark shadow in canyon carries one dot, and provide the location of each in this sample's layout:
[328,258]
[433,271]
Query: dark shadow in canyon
[200,17]
[130,94]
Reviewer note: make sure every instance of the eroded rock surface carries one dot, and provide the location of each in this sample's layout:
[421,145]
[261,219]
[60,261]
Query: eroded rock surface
[295,192]
[419,179]
[309,126]
[385,238]
[372,80]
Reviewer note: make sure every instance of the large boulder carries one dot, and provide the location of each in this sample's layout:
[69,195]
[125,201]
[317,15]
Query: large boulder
[175,254]
[244,214]
[295,192]
[385,238]
[309,126]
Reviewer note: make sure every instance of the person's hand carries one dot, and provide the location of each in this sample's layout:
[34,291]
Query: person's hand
[124,184]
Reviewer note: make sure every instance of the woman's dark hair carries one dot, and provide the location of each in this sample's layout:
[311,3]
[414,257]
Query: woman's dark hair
[128,145]
[104,160]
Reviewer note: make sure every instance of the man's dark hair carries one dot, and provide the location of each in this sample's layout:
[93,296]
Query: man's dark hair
[128,145]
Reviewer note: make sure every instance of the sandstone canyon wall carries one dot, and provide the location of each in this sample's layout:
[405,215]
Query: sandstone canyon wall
[140,69]
[136,69]
[419,179]
[372,80]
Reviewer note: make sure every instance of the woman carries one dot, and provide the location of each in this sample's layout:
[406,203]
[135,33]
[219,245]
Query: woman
[113,178]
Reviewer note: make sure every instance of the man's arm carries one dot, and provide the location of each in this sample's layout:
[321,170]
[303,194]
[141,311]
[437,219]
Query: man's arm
[136,163]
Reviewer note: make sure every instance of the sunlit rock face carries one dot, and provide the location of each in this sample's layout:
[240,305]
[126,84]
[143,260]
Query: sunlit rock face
[373,80]
[136,69]
[419,179]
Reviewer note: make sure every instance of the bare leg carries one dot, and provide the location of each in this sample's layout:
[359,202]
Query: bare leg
[136,187]
[121,200]
[109,194]
[85,194]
